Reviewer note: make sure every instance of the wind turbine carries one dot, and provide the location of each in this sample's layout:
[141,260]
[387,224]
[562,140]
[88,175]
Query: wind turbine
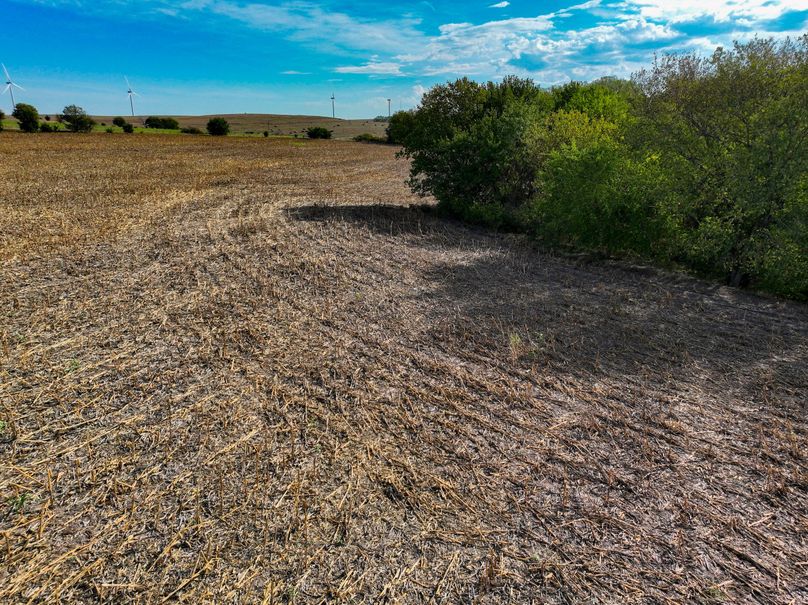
[10,86]
[389,107]
[131,94]
[333,107]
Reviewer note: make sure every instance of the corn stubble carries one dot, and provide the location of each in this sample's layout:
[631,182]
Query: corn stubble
[249,371]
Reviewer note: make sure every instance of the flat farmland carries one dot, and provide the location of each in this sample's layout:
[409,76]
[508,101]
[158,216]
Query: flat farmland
[242,370]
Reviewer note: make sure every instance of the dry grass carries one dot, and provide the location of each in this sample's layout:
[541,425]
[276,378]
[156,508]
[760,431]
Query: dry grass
[245,371]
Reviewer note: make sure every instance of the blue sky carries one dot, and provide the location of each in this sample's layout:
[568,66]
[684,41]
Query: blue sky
[231,56]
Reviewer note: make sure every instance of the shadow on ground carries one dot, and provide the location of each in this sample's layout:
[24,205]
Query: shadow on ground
[602,318]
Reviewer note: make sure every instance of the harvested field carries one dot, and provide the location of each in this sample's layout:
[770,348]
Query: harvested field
[253,371]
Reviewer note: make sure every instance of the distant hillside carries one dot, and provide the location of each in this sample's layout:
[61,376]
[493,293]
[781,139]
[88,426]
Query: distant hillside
[255,123]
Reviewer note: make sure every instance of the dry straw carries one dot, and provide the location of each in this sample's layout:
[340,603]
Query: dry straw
[247,371]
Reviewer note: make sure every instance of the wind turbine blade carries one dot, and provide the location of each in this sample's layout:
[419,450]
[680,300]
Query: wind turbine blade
[8,77]
[128,85]
[16,86]
[5,90]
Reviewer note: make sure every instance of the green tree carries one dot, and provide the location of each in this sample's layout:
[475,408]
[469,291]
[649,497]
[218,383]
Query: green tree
[128,128]
[27,116]
[731,131]
[470,146]
[318,132]
[161,122]
[77,119]
[218,127]
[119,122]
[399,125]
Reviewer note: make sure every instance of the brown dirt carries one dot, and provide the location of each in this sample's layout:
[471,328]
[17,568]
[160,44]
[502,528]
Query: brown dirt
[248,371]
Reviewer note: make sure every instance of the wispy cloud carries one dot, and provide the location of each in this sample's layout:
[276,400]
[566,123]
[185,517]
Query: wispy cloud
[500,5]
[372,68]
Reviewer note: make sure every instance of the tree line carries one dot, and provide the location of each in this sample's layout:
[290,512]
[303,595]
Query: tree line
[696,162]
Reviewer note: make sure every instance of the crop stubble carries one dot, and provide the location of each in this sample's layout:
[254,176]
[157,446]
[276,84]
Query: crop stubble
[249,371]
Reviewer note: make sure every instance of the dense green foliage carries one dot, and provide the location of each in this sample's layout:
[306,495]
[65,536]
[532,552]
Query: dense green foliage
[399,125]
[128,128]
[318,132]
[77,119]
[367,137]
[2,117]
[697,162]
[27,116]
[119,122]
[194,130]
[48,127]
[218,127]
[162,123]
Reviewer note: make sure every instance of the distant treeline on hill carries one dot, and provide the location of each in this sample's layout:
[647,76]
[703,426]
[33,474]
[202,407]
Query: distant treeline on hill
[694,162]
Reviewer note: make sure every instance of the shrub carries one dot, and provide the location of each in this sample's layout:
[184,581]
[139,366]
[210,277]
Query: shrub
[266,133]
[161,123]
[471,146]
[46,127]
[77,119]
[367,137]
[399,125]
[191,130]
[218,127]
[27,116]
[47,118]
[732,133]
[318,132]
[119,122]
[109,130]
[128,128]
[598,196]
[2,117]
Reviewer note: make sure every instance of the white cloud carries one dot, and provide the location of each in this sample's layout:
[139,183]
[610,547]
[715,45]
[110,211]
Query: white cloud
[687,10]
[500,5]
[373,68]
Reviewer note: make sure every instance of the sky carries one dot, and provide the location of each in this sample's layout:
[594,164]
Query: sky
[193,57]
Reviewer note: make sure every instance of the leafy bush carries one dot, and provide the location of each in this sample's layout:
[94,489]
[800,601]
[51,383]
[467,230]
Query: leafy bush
[77,119]
[218,127]
[161,123]
[27,116]
[732,132]
[192,130]
[128,128]
[46,127]
[119,122]
[700,162]
[600,197]
[2,117]
[266,133]
[399,125]
[109,130]
[367,137]
[471,147]
[318,132]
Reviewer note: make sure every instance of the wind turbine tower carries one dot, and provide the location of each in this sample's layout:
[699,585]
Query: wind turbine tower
[10,86]
[131,94]
[389,107]
[333,107]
